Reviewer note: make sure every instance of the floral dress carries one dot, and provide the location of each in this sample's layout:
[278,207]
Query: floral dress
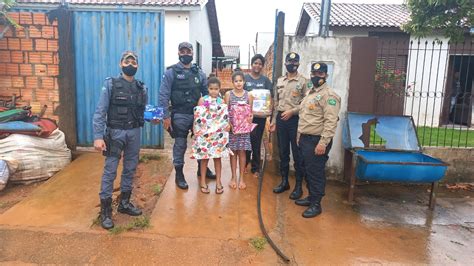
[210,121]
[239,142]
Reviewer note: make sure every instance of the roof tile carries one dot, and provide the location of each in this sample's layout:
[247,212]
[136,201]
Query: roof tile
[368,15]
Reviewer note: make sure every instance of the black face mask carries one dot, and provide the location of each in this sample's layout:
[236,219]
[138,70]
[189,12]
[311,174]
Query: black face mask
[318,81]
[129,70]
[185,59]
[292,68]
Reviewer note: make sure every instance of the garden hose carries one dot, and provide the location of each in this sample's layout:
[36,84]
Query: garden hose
[259,208]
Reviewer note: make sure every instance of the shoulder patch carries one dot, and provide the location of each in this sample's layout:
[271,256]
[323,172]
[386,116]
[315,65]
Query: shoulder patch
[332,101]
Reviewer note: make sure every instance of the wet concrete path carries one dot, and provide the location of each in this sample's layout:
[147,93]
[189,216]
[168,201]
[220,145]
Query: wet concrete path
[388,224]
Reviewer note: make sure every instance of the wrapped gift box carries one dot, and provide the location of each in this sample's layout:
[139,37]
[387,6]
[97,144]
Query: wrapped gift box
[239,114]
[262,104]
[153,112]
[210,138]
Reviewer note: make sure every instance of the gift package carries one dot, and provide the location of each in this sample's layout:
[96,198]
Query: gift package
[262,104]
[153,113]
[210,136]
[239,114]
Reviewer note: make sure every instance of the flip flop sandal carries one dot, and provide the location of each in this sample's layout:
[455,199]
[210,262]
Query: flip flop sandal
[219,190]
[205,189]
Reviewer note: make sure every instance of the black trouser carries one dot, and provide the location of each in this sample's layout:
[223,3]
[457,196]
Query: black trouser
[287,132]
[254,156]
[314,166]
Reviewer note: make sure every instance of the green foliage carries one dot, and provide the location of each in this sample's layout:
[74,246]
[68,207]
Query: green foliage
[258,243]
[149,157]
[451,17]
[5,5]
[388,79]
[156,189]
[141,222]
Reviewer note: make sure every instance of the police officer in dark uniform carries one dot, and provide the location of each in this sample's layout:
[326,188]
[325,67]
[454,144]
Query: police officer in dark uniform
[119,115]
[319,112]
[183,84]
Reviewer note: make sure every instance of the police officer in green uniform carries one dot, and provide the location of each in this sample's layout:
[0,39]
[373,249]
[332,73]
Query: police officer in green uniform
[319,112]
[117,124]
[288,94]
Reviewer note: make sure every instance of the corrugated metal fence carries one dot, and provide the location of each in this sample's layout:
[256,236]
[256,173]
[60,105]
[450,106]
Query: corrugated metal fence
[100,37]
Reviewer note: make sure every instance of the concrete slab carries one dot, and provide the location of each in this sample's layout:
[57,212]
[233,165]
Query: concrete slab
[67,200]
[231,215]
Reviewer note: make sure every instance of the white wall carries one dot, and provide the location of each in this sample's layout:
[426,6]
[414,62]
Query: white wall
[334,50]
[423,76]
[176,31]
[199,31]
[313,28]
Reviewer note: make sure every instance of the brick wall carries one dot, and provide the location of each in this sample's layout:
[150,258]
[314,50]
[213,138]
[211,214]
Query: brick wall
[29,62]
[225,76]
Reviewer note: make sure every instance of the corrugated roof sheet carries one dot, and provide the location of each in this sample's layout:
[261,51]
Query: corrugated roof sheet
[231,51]
[121,2]
[362,15]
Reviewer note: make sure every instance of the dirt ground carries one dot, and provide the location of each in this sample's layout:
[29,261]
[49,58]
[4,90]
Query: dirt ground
[148,183]
[14,193]
[387,224]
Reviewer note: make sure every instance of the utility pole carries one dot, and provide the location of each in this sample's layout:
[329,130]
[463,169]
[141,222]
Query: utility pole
[324,18]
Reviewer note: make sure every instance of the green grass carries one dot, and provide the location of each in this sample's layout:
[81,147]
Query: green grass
[141,222]
[436,137]
[156,189]
[258,243]
[445,137]
[149,157]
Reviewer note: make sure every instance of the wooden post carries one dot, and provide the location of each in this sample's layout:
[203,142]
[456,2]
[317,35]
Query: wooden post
[277,71]
[66,110]
[434,188]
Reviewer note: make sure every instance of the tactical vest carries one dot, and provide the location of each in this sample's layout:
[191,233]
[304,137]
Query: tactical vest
[186,90]
[127,105]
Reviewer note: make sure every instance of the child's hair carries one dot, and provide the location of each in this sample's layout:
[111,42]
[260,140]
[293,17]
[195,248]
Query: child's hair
[258,56]
[214,80]
[236,74]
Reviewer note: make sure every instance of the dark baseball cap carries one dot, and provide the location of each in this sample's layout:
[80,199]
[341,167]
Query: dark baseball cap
[185,45]
[319,67]
[128,54]
[292,57]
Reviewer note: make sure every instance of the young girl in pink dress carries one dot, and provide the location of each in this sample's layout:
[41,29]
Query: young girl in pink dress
[238,143]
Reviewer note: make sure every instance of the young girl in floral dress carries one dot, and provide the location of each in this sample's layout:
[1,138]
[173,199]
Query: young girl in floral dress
[211,127]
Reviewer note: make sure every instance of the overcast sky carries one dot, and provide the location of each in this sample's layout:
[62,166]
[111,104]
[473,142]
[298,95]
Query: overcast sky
[239,21]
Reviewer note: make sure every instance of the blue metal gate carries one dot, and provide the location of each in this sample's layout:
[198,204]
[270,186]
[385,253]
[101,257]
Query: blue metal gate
[99,39]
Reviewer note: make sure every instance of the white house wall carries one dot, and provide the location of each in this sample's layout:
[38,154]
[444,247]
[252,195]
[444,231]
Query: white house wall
[176,31]
[426,76]
[199,31]
[338,52]
[313,28]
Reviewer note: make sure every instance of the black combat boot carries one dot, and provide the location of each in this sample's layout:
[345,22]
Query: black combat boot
[209,173]
[106,213]
[313,210]
[297,192]
[303,202]
[284,185]
[125,206]
[180,180]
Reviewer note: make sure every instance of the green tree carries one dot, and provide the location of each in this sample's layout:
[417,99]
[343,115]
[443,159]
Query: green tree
[451,17]
[5,5]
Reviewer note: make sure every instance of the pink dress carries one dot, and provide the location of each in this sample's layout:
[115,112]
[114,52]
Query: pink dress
[238,142]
